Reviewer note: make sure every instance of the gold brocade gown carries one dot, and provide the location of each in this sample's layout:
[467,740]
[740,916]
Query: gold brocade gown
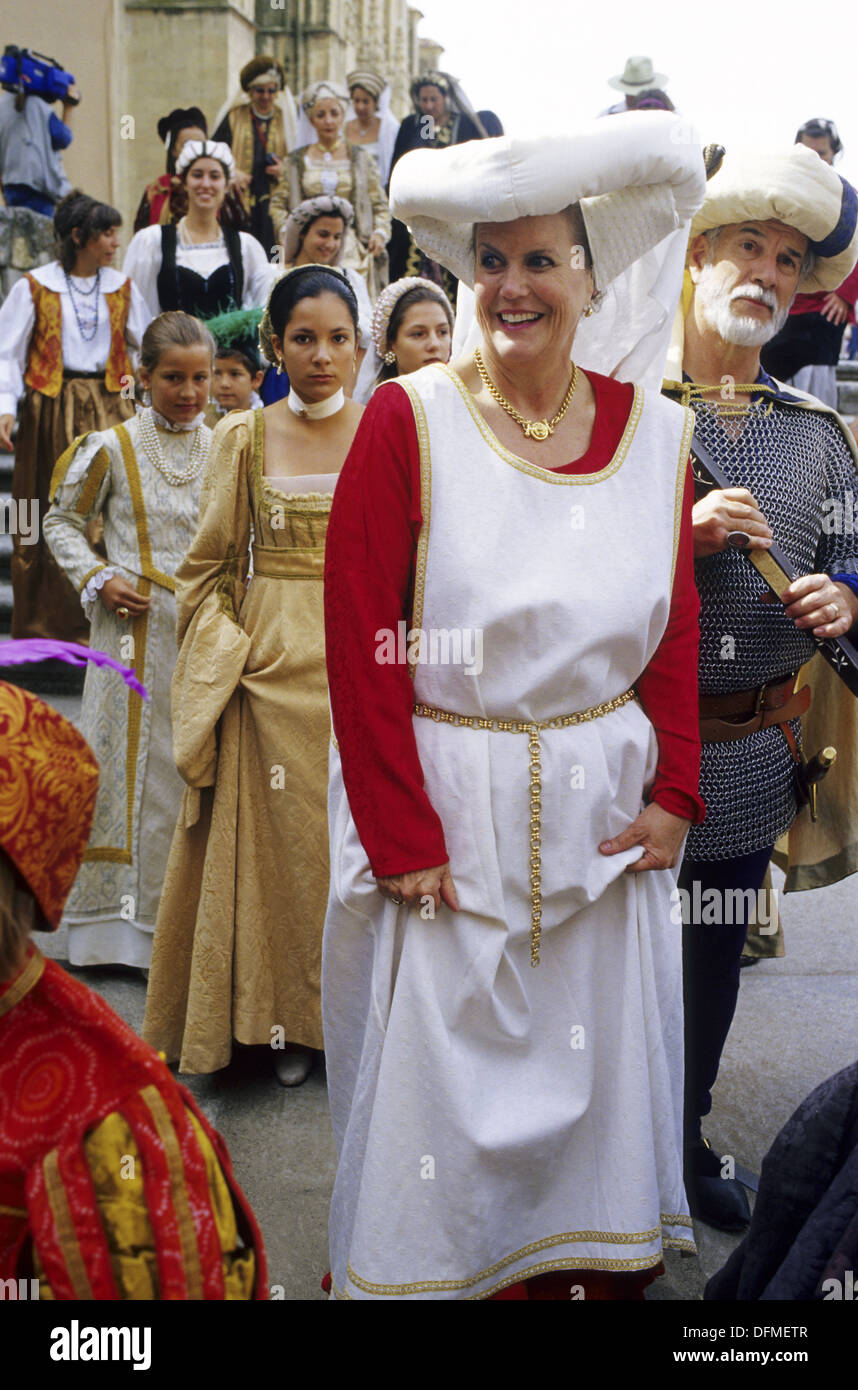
[237,950]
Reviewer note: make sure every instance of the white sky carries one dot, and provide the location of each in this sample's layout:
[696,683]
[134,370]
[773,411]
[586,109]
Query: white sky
[743,72]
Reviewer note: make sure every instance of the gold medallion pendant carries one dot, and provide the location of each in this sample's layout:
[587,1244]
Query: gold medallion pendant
[533,429]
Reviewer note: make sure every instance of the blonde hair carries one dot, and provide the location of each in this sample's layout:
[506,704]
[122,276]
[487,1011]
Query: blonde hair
[17,919]
[173,329]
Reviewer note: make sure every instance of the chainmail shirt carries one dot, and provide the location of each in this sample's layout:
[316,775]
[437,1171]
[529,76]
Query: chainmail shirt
[798,467]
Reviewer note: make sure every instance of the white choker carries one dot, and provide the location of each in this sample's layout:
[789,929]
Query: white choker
[316,412]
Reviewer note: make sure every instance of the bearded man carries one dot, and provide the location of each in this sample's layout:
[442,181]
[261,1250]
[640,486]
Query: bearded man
[771,224]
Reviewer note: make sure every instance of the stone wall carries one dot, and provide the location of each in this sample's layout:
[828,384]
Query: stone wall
[26,240]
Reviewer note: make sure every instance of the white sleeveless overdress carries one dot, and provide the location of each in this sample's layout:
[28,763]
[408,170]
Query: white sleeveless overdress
[495,1120]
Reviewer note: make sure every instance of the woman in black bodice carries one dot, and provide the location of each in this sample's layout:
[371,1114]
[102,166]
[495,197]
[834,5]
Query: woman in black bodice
[196,264]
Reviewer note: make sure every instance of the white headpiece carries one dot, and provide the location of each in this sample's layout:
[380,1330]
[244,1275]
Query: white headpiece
[794,186]
[205,149]
[308,211]
[638,178]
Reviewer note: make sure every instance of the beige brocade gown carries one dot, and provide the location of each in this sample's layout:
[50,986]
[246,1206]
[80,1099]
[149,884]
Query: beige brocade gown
[237,950]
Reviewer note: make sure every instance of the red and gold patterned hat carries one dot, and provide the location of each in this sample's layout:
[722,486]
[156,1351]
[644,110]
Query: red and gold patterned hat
[48,785]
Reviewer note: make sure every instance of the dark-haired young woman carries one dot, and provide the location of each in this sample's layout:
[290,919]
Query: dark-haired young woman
[68,334]
[237,952]
[166,199]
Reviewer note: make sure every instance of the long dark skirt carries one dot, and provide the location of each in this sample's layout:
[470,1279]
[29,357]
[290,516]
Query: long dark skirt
[44,602]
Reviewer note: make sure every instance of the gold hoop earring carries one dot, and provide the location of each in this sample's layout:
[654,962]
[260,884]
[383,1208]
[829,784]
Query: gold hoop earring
[589,310]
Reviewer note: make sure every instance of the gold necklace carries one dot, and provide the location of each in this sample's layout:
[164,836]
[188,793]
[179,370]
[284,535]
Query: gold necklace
[533,429]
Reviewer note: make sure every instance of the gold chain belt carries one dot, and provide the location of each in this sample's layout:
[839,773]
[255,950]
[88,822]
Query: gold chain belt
[533,730]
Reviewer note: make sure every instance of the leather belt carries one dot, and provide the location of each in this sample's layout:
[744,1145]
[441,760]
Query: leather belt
[774,703]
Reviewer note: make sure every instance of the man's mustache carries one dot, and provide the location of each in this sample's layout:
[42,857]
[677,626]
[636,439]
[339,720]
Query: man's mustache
[761,296]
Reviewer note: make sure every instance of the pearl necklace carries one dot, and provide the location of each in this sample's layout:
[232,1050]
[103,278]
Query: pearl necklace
[196,245]
[155,454]
[320,411]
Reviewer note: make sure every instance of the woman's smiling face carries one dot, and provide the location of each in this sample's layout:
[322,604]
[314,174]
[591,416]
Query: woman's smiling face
[529,290]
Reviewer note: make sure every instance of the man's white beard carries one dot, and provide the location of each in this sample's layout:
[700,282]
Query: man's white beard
[743,330]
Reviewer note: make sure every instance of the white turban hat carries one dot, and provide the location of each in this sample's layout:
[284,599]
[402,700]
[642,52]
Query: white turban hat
[793,186]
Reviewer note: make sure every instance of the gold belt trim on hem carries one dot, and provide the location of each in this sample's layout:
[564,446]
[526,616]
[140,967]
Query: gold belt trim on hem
[533,729]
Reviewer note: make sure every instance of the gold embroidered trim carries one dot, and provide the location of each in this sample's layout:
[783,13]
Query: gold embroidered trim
[684,451]
[226,581]
[114,854]
[258,447]
[568,1237]
[95,476]
[533,730]
[27,980]
[61,467]
[66,1235]
[132,471]
[154,1102]
[546,474]
[13,1211]
[424,447]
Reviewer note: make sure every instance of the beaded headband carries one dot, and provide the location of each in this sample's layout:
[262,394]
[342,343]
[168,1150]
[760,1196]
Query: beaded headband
[390,297]
[322,91]
[308,211]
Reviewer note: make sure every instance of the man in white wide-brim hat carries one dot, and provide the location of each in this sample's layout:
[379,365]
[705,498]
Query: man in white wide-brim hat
[638,76]
[511,628]
[771,223]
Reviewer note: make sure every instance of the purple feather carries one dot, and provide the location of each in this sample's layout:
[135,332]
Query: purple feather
[17,652]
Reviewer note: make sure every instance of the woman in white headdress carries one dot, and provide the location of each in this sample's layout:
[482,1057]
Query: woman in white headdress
[324,163]
[370,122]
[196,264]
[512,653]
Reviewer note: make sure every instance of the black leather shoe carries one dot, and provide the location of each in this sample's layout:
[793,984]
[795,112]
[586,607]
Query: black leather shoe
[720,1202]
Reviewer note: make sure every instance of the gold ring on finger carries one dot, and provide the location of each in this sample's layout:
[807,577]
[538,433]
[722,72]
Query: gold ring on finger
[123,612]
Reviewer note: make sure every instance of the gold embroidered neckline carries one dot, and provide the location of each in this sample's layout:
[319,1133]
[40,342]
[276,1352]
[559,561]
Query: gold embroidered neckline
[534,469]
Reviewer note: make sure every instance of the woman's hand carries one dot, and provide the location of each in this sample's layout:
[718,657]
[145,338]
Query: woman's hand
[239,181]
[115,593]
[376,244]
[720,512]
[7,424]
[813,601]
[835,309]
[436,884]
[274,167]
[659,833]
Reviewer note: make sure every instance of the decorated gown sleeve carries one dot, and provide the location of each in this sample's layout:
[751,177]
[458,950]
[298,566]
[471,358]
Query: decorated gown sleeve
[380,206]
[79,489]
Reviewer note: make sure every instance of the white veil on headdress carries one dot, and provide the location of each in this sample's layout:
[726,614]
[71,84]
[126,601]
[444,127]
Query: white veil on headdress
[306,132]
[388,128]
